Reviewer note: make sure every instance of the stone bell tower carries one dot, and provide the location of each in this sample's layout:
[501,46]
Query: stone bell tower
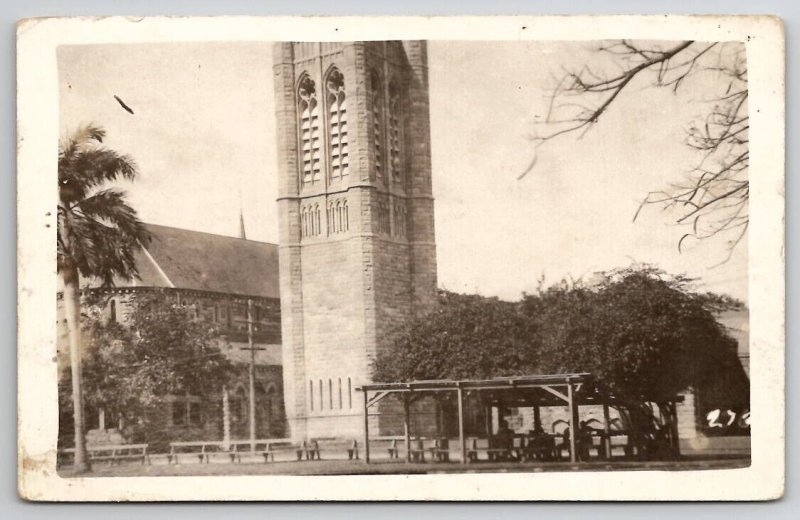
[355,205]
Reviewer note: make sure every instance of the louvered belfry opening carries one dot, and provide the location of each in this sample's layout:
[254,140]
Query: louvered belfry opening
[309,131]
[337,108]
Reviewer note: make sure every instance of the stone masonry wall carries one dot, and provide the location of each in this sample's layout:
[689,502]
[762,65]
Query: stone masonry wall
[342,291]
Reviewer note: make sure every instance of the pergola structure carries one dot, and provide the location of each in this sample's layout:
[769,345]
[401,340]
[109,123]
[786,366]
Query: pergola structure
[570,390]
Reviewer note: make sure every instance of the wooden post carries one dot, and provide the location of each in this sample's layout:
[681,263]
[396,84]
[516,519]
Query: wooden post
[251,373]
[674,433]
[462,441]
[407,427]
[487,416]
[537,417]
[366,427]
[573,424]
[226,420]
[607,429]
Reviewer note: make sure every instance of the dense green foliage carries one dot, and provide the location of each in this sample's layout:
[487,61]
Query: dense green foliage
[131,368]
[466,336]
[639,331]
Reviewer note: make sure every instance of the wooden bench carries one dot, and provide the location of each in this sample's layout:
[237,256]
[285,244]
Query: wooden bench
[263,447]
[542,448]
[392,443]
[440,451]
[493,453]
[284,446]
[618,441]
[392,449]
[201,449]
[314,447]
[113,453]
[418,449]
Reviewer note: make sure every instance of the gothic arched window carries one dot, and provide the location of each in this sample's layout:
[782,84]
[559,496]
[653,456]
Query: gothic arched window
[315,217]
[239,406]
[338,216]
[395,134]
[377,123]
[308,108]
[113,311]
[337,107]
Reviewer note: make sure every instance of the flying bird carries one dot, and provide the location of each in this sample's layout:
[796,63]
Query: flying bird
[123,105]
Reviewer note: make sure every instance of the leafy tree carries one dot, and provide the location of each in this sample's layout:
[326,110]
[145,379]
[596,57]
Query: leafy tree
[712,199]
[97,235]
[465,336]
[159,350]
[642,333]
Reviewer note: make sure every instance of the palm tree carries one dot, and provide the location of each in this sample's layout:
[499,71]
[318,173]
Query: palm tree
[98,233]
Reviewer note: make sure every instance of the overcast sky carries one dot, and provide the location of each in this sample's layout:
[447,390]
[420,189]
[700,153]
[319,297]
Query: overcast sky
[203,135]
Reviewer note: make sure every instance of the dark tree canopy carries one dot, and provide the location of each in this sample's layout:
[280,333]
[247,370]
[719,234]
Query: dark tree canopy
[641,332]
[466,336]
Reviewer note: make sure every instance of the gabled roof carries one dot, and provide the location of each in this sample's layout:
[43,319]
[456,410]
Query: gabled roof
[194,260]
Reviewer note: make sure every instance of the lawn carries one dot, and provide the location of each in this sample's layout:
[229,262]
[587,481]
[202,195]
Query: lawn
[346,467]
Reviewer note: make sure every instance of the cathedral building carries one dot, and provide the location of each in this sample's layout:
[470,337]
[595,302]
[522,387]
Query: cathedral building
[212,276]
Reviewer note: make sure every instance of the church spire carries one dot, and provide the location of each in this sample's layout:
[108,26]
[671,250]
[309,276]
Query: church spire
[242,234]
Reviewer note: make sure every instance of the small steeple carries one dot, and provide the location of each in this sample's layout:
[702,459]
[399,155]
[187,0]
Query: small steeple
[242,234]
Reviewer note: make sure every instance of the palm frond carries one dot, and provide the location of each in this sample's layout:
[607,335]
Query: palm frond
[104,231]
[70,144]
[102,250]
[90,167]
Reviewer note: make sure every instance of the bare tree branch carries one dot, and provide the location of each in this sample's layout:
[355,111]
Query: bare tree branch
[713,197]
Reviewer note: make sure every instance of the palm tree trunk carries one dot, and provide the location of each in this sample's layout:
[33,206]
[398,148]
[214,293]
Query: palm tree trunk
[72,306]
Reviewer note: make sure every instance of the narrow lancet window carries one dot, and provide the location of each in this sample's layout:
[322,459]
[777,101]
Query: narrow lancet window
[309,131]
[377,124]
[337,107]
[395,135]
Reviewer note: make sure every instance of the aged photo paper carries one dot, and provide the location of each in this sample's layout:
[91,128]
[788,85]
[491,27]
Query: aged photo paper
[409,258]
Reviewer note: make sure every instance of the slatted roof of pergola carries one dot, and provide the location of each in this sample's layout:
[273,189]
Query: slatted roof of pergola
[526,390]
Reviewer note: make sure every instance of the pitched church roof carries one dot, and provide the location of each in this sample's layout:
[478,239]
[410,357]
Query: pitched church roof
[186,259]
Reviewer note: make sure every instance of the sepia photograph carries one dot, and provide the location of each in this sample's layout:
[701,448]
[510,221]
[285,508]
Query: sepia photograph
[402,257]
